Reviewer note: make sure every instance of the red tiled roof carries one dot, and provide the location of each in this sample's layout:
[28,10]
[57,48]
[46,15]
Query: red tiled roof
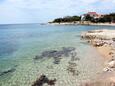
[92,13]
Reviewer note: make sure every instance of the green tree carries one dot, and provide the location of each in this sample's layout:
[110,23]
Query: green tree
[88,18]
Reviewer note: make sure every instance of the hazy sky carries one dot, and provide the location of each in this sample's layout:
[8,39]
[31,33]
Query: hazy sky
[37,11]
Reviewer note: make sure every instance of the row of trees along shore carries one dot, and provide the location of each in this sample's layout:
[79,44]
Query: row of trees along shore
[105,18]
[67,19]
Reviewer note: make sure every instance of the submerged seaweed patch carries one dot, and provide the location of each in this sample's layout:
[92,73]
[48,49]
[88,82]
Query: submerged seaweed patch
[10,70]
[57,54]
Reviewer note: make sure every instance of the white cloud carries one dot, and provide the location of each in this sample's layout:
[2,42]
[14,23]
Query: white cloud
[19,11]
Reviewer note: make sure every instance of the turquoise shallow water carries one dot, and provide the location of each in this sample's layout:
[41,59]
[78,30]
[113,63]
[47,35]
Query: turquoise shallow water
[19,44]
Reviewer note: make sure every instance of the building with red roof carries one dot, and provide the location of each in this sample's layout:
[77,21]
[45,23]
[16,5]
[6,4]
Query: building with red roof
[91,14]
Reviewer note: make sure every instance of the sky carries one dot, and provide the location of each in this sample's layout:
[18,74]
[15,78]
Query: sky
[42,11]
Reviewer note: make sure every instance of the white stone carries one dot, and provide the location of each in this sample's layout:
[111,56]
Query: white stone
[111,64]
[107,69]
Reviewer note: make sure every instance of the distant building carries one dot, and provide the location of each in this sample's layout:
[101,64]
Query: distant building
[91,14]
[94,14]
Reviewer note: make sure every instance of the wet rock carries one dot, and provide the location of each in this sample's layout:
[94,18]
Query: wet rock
[111,64]
[50,53]
[58,54]
[42,80]
[98,43]
[107,69]
[51,82]
[113,39]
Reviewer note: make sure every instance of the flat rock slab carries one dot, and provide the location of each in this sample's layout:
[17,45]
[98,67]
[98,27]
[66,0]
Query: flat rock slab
[99,34]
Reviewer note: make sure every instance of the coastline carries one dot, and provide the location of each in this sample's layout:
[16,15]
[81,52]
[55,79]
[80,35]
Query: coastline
[103,41]
[103,24]
[85,23]
[104,51]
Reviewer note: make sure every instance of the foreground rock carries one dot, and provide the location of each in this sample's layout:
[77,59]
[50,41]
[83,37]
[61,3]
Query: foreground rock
[43,80]
[99,34]
[104,42]
[111,64]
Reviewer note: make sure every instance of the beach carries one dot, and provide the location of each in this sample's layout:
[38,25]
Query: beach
[103,24]
[103,42]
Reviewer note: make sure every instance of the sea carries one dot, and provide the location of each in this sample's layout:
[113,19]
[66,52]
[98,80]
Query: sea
[20,44]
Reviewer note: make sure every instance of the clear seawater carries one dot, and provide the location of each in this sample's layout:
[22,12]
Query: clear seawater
[20,43]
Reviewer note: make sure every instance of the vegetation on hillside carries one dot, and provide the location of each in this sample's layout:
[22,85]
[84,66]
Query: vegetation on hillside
[105,18]
[67,19]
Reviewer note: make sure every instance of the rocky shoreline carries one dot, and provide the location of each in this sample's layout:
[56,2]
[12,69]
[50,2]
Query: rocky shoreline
[104,42]
[82,23]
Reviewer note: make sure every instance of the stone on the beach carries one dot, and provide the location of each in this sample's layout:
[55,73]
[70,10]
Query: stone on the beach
[42,80]
[111,64]
[99,34]
[107,69]
[110,53]
[98,43]
[113,39]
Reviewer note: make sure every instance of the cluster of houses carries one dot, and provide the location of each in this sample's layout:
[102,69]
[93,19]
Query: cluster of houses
[91,14]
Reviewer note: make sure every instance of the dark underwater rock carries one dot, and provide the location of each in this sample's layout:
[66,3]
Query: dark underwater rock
[10,70]
[71,68]
[56,54]
[42,80]
[57,60]
[38,57]
[50,53]
[66,51]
